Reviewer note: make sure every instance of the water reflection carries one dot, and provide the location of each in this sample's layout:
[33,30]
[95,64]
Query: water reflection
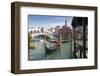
[39,53]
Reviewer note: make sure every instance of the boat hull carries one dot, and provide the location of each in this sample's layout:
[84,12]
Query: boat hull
[51,50]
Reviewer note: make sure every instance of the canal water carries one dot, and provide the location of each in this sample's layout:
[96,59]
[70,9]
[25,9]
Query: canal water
[39,52]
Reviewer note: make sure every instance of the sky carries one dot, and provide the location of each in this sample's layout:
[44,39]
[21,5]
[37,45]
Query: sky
[48,21]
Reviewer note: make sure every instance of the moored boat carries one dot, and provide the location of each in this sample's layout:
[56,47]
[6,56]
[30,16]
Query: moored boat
[50,48]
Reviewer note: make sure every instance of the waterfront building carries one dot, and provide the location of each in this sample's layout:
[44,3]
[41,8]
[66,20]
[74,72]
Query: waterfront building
[80,34]
[65,31]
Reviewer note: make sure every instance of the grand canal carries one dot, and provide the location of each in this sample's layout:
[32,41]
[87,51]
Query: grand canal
[39,53]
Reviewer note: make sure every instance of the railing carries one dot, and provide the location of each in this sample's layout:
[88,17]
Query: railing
[78,51]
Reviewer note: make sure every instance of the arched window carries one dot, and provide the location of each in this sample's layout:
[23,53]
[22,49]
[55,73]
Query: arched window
[34,31]
[31,32]
[42,29]
[38,31]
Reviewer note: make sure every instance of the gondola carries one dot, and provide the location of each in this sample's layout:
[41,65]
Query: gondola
[63,41]
[50,50]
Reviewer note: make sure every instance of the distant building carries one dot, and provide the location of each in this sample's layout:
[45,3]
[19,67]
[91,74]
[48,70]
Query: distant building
[57,31]
[64,31]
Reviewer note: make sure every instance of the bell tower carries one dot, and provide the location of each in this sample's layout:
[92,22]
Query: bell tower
[66,22]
